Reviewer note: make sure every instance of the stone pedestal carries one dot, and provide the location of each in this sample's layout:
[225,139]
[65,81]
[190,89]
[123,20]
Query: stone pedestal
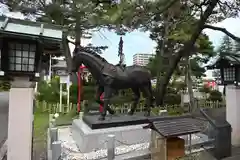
[117,120]
[88,139]
[233,112]
[20,121]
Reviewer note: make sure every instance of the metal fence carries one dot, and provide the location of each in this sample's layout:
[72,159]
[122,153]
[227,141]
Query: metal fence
[53,149]
[44,106]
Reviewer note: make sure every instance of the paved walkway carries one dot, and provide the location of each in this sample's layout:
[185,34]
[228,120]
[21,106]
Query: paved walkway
[3,115]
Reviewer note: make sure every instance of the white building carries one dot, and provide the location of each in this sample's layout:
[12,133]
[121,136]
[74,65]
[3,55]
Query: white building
[141,59]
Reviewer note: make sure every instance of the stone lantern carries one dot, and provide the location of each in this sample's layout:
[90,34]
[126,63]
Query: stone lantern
[23,45]
[229,70]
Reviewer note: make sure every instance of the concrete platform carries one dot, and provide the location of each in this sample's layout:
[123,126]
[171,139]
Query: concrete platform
[88,139]
[116,120]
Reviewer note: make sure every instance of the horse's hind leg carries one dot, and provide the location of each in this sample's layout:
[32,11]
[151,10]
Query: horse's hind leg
[148,95]
[135,100]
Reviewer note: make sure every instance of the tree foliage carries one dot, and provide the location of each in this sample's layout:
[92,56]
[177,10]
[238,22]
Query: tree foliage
[49,92]
[228,48]
[78,18]
[205,52]
[215,95]
[207,12]
[81,15]
[170,38]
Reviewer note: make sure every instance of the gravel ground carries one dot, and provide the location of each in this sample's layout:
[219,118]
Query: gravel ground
[70,150]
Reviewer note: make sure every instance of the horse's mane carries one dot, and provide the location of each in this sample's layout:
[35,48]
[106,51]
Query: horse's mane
[88,50]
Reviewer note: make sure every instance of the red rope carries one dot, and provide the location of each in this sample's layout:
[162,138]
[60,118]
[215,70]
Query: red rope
[79,87]
[101,106]
[79,90]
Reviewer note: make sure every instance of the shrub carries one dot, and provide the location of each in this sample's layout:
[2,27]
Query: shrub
[215,95]
[49,92]
[172,98]
[205,89]
[5,85]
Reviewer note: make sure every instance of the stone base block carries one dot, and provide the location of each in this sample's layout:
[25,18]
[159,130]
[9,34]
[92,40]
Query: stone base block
[116,120]
[88,139]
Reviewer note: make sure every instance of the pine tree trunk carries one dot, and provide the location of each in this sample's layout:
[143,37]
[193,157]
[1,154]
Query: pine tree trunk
[160,68]
[189,84]
[78,37]
[78,33]
[187,47]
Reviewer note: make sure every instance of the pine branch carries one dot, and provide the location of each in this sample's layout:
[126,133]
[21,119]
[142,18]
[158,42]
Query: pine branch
[224,30]
[97,49]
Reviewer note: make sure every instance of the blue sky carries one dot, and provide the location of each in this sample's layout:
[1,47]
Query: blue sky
[134,42]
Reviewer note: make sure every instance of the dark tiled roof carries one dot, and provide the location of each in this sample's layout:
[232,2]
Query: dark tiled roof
[176,126]
[230,59]
[237,157]
[29,28]
[52,36]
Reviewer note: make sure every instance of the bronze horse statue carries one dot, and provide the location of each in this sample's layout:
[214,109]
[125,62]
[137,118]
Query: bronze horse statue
[111,78]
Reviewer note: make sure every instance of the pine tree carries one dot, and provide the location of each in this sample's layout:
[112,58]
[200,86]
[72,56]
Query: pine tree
[226,47]
[229,48]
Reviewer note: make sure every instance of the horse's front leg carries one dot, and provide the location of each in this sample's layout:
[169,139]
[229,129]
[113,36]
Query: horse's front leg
[99,91]
[107,96]
[135,100]
[149,99]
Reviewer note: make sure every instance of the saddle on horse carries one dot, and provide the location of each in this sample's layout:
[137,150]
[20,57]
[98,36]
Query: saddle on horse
[117,71]
[122,66]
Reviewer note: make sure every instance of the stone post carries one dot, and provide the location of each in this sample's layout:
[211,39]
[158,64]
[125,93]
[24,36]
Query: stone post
[20,120]
[111,147]
[233,112]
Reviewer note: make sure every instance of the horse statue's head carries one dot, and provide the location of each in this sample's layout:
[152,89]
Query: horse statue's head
[76,62]
[88,57]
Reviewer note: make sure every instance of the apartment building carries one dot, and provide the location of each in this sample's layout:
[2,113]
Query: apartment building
[141,59]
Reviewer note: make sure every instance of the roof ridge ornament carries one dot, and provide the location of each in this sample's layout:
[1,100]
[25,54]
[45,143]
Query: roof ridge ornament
[42,29]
